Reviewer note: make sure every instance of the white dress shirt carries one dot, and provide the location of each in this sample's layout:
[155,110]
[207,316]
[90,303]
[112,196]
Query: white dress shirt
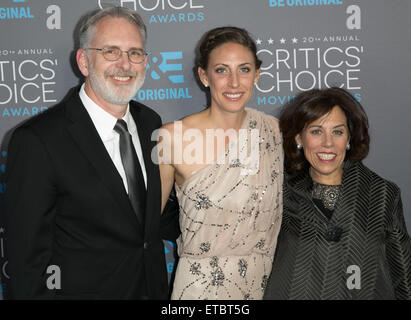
[104,123]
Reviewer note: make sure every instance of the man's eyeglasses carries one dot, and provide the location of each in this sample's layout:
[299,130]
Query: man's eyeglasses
[114,53]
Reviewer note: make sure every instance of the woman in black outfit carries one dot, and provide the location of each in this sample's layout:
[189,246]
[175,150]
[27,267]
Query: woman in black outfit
[343,234]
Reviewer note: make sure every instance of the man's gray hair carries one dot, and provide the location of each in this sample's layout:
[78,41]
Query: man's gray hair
[88,27]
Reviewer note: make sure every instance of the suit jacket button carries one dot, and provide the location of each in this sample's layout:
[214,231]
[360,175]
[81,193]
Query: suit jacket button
[145,245]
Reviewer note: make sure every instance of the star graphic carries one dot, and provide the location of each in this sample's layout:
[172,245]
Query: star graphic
[282,40]
[270,41]
[295,40]
[258,41]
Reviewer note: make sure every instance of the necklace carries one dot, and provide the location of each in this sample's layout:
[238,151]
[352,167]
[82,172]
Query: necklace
[328,194]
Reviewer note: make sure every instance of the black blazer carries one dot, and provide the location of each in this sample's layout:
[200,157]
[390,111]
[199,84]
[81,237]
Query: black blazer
[66,206]
[312,263]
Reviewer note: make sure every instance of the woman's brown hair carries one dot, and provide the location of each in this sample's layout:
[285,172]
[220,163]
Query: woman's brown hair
[311,105]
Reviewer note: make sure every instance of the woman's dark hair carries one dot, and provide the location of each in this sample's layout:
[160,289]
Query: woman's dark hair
[311,105]
[218,36]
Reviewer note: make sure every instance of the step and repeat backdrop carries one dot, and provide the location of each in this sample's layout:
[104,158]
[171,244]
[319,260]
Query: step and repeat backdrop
[362,46]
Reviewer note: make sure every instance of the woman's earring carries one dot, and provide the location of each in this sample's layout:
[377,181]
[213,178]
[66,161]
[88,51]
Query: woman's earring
[348,147]
[299,146]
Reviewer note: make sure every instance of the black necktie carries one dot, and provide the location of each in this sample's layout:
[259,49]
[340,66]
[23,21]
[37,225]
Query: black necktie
[134,175]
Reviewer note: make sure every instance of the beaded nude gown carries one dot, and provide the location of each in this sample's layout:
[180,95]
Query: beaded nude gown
[230,216]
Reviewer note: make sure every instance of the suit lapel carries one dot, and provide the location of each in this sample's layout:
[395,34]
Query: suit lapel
[89,142]
[144,130]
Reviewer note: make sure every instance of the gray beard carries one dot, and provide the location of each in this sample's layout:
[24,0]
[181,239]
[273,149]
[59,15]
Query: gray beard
[109,94]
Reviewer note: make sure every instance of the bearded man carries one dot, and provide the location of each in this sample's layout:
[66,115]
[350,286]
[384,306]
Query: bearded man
[83,195]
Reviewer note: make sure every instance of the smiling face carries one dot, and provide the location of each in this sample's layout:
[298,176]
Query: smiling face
[112,84]
[324,143]
[230,74]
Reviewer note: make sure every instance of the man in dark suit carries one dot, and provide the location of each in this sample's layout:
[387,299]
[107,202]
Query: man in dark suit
[83,194]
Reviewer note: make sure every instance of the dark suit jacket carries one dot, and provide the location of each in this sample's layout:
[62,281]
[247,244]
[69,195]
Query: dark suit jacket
[66,206]
[311,265]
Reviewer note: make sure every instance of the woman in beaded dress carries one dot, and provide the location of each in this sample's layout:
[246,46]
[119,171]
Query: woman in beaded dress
[343,234]
[228,177]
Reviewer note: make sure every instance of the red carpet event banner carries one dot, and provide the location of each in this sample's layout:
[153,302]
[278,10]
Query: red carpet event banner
[362,46]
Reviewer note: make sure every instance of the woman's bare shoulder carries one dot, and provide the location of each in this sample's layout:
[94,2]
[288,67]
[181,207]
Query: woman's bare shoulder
[192,121]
